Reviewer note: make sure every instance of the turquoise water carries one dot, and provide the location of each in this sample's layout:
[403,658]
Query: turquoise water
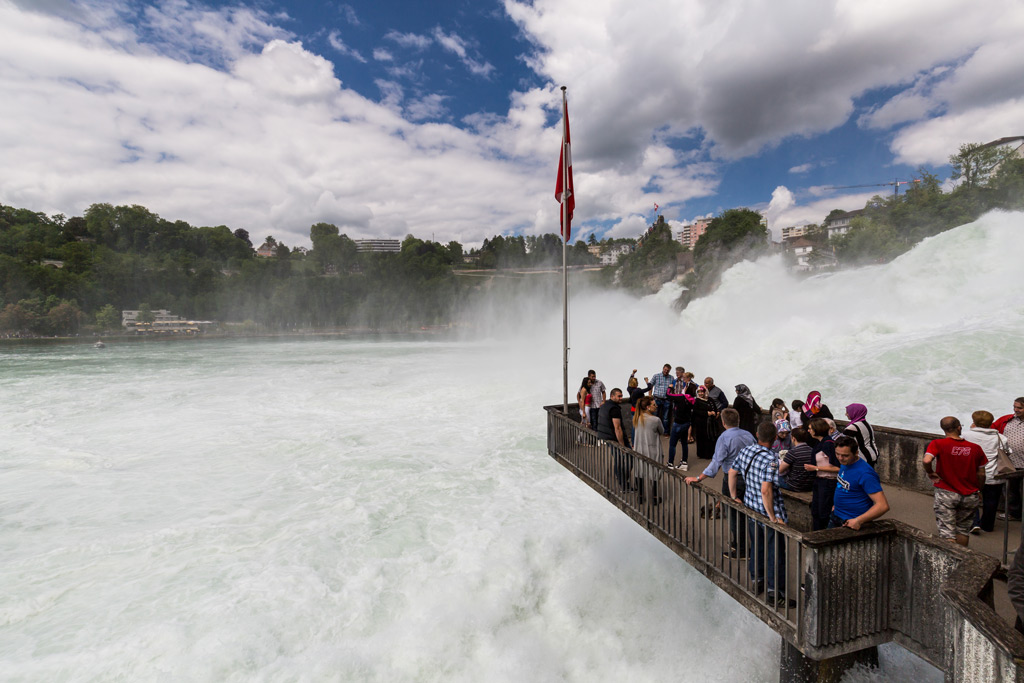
[350,510]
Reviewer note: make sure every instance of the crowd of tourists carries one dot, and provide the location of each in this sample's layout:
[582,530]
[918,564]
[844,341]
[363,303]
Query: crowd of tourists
[798,447]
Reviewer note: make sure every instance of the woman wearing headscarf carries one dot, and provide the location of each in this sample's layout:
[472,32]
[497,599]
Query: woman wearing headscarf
[704,423]
[860,430]
[813,407]
[750,412]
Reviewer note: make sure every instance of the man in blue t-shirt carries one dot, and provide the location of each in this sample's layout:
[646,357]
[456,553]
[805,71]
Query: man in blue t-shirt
[859,497]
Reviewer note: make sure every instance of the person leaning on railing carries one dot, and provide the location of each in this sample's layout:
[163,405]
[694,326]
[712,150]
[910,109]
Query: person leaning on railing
[758,467]
[859,497]
[729,444]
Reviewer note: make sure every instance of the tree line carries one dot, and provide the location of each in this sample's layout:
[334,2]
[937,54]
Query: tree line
[986,177]
[59,274]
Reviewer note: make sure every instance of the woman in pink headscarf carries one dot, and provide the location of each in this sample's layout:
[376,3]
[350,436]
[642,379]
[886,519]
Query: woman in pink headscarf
[813,407]
[857,414]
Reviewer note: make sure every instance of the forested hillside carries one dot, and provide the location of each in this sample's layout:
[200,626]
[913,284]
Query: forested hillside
[58,274]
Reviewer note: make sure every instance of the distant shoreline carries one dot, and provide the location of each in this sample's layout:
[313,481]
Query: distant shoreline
[355,333]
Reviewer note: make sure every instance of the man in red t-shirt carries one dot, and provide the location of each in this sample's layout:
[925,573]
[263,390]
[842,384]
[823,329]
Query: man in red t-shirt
[958,477]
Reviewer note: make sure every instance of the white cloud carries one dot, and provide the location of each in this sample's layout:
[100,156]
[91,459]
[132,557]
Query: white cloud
[933,141]
[222,116]
[271,144]
[782,201]
[802,168]
[334,38]
[749,75]
[413,40]
[457,46]
[630,226]
[427,107]
[785,210]
[350,15]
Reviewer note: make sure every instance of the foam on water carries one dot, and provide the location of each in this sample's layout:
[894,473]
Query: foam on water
[386,510]
[324,510]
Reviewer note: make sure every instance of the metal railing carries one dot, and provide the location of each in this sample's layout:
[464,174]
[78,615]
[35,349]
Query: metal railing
[704,526]
[843,590]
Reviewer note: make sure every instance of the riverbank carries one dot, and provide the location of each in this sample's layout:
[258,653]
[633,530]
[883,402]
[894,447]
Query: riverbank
[354,333]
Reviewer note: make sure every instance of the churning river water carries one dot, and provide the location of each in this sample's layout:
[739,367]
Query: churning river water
[385,510]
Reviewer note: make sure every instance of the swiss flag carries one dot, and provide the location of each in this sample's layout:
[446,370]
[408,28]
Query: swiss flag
[565,175]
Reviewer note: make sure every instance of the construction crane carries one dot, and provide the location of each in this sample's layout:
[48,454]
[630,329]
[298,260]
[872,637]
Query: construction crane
[895,185]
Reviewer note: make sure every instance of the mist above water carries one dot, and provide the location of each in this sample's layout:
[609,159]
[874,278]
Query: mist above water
[935,332]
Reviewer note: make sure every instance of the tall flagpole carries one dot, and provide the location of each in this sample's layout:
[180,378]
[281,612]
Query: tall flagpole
[565,272]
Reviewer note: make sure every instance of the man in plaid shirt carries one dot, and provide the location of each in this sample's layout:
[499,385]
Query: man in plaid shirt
[660,386]
[758,466]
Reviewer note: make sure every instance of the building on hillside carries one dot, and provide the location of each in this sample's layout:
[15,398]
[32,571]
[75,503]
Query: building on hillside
[595,250]
[689,235]
[163,323]
[840,224]
[793,232]
[161,314]
[809,256]
[1014,144]
[267,250]
[379,245]
[610,255]
[51,263]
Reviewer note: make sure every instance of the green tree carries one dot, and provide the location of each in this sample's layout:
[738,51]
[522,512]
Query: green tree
[64,319]
[1008,184]
[653,262]
[17,319]
[733,236]
[974,163]
[243,235]
[145,314]
[108,318]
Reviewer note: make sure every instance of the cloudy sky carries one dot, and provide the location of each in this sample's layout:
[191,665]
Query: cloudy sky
[442,119]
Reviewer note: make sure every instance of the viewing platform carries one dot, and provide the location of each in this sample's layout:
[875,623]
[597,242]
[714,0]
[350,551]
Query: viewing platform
[846,592]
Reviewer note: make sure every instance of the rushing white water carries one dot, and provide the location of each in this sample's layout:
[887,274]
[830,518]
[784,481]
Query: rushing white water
[385,510]
[938,331]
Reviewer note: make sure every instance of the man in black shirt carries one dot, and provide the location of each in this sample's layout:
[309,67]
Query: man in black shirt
[682,409]
[611,428]
[609,419]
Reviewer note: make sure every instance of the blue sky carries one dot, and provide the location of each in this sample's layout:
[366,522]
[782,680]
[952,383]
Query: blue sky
[442,119]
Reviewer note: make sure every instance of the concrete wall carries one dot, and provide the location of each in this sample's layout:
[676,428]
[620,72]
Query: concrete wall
[899,457]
